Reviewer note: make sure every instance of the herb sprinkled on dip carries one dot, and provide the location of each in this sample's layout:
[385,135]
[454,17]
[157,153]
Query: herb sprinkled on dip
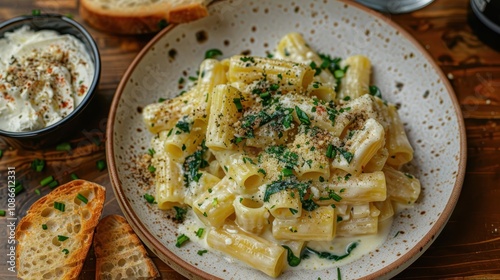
[44,76]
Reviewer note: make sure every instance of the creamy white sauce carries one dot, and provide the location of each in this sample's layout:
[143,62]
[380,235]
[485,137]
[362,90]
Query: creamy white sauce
[366,244]
[44,76]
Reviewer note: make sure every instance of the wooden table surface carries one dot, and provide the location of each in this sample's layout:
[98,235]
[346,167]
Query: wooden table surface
[469,245]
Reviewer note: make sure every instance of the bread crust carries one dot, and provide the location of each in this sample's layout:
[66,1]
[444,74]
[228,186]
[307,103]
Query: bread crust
[29,231]
[114,242]
[143,19]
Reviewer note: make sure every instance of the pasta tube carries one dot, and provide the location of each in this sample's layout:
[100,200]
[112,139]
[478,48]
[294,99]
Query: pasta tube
[319,224]
[251,249]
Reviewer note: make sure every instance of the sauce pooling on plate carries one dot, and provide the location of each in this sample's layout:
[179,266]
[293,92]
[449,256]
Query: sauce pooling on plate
[44,76]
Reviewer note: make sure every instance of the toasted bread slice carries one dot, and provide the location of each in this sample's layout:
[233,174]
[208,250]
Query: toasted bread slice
[140,16]
[53,244]
[119,252]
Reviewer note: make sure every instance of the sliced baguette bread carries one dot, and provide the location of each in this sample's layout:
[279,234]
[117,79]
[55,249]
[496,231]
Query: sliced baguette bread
[53,244]
[119,252]
[139,16]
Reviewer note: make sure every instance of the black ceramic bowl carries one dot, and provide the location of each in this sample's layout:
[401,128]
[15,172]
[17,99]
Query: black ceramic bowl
[58,131]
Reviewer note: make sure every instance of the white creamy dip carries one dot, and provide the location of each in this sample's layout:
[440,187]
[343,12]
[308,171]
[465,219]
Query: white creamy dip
[44,76]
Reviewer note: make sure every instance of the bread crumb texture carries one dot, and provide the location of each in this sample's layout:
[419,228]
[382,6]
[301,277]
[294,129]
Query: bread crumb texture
[119,252]
[55,235]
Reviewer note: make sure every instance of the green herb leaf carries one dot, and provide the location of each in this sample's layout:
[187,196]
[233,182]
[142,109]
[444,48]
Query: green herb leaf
[247,58]
[101,165]
[65,146]
[45,181]
[162,24]
[181,239]
[237,102]
[291,258]
[149,198]
[180,213]
[201,252]
[62,237]
[53,184]
[151,169]
[330,256]
[303,117]
[213,53]
[184,125]
[59,206]
[82,198]
[375,91]
[38,165]
[199,232]
[193,163]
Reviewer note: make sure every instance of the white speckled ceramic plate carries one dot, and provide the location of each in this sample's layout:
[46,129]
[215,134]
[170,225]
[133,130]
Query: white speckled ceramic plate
[402,70]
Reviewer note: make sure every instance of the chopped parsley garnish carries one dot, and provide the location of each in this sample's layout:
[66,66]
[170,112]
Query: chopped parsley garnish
[330,256]
[101,165]
[333,65]
[237,102]
[82,198]
[213,53]
[247,58]
[199,232]
[247,159]
[162,24]
[65,146]
[18,187]
[53,184]
[283,154]
[303,117]
[151,151]
[183,125]
[409,176]
[38,165]
[192,165]
[151,169]
[332,114]
[287,172]
[293,211]
[291,258]
[65,251]
[331,152]
[59,206]
[62,237]
[149,198]
[73,176]
[36,12]
[262,171]
[161,99]
[375,91]
[201,252]
[332,195]
[44,227]
[180,213]
[181,239]
[45,181]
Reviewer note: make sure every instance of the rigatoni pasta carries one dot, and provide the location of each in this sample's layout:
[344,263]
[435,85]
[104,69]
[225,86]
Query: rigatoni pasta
[271,154]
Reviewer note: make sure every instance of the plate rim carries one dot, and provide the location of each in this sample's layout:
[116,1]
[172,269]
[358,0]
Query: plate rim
[187,269]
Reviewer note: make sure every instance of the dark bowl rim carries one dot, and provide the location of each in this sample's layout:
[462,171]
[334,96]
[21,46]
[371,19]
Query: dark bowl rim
[93,85]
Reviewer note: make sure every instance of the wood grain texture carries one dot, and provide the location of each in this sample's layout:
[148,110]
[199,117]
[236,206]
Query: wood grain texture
[468,247]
